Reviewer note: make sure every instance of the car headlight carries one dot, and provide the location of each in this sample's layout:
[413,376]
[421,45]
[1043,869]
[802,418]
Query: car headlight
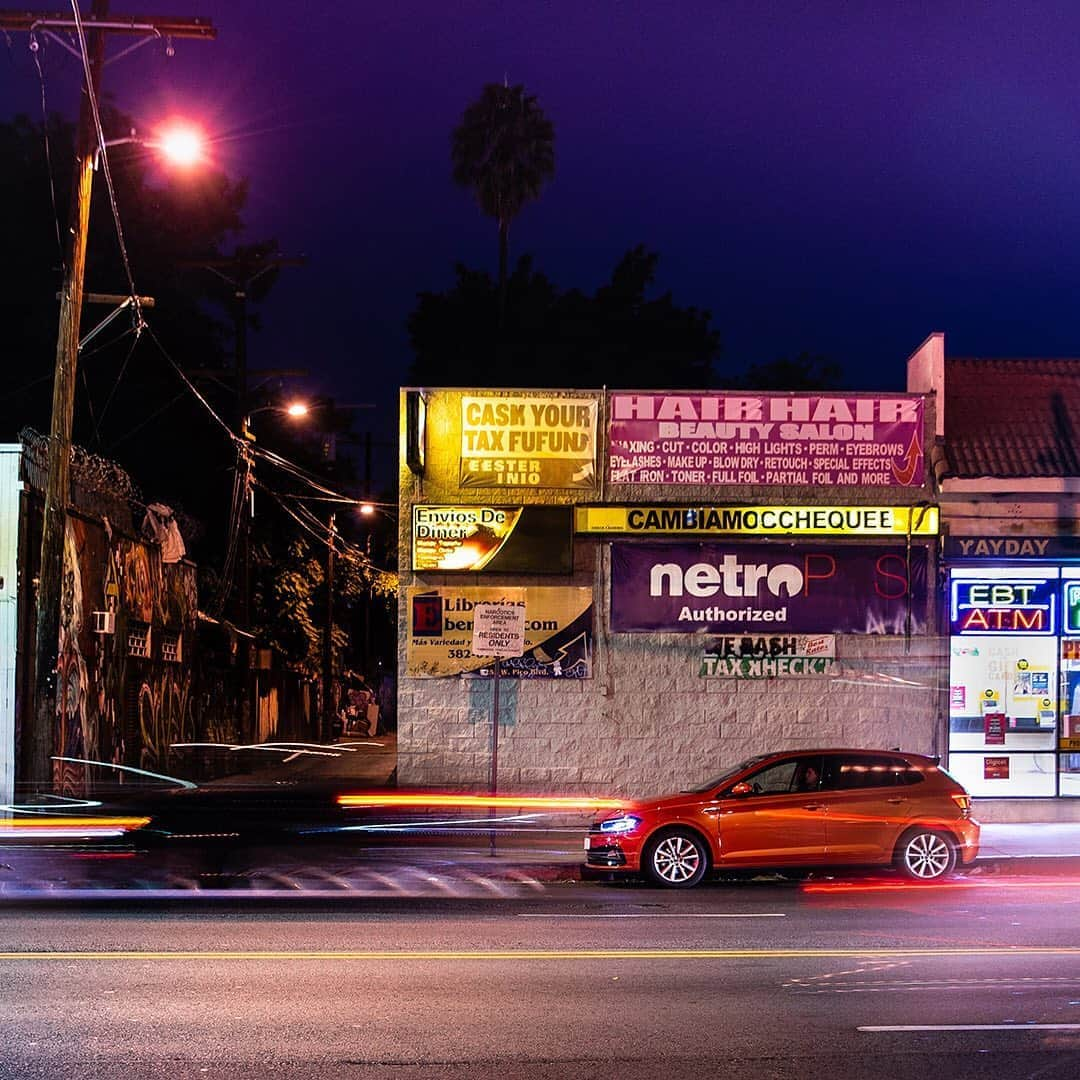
[624,824]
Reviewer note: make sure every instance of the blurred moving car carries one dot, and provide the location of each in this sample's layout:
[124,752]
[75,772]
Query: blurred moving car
[809,809]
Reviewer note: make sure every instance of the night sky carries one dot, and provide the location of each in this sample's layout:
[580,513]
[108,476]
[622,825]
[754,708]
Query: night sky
[842,178]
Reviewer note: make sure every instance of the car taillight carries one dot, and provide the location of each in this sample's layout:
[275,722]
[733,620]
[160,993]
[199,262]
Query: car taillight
[964,802]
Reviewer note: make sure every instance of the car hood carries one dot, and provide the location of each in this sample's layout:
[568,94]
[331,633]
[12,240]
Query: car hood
[657,803]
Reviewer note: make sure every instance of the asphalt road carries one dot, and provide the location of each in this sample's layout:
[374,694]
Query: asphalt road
[980,978]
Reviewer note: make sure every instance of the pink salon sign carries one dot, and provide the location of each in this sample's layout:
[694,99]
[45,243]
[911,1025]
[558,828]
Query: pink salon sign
[785,440]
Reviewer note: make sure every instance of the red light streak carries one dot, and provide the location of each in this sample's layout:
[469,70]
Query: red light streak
[482,802]
[885,887]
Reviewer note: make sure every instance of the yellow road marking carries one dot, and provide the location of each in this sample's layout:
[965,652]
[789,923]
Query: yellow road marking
[535,954]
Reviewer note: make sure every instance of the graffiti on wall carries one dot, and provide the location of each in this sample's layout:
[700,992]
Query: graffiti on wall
[115,705]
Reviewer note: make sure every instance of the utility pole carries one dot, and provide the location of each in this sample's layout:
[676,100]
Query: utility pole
[38,737]
[328,636]
[240,272]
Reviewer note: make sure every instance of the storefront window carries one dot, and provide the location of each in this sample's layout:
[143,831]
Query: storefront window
[1007,666]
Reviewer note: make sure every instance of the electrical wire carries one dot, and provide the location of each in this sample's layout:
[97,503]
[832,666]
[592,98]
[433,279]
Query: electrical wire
[120,376]
[91,94]
[191,386]
[35,49]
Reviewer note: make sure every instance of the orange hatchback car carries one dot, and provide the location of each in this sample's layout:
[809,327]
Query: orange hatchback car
[807,808]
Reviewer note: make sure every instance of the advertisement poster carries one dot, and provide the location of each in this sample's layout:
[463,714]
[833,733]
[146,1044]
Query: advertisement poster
[994,729]
[499,539]
[558,631]
[995,768]
[770,657]
[768,589]
[528,441]
[770,439]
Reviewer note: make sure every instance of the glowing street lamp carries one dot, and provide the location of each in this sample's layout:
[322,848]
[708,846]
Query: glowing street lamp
[183,145]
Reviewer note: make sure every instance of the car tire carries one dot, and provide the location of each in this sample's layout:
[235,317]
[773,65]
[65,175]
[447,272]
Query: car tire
[925,854]
[676,859]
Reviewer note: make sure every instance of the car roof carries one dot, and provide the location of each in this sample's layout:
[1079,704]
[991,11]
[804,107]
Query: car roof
[843,750]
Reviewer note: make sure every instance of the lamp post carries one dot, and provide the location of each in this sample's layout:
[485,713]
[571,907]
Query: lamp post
[40,732]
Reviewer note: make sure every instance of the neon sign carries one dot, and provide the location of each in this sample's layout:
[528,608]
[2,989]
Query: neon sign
[1004,606]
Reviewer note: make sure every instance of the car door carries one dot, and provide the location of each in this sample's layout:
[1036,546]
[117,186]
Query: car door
[868,804]
[780,822]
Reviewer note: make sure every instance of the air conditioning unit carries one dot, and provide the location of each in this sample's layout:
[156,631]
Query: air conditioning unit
[104,622]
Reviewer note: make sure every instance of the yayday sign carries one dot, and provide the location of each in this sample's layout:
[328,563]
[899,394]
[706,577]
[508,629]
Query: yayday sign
[789,440]
[768,589]
[528,441]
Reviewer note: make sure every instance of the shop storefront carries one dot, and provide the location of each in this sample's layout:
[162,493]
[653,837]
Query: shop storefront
[1014,665]
[706,576]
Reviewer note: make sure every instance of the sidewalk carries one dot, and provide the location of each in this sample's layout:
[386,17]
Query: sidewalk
[1030,840]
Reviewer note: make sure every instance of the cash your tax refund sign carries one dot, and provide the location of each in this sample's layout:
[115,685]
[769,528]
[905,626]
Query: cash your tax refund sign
[688,439]
[558,631]
[528,440]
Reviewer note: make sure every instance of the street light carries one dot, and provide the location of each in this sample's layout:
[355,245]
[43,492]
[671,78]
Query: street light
[181,144]
[295,410]
[38,739]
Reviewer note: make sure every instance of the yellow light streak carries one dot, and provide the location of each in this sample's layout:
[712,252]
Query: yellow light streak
[28,823]
[545,954]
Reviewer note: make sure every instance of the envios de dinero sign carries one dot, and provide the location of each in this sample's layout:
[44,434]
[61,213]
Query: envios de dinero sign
[757,520]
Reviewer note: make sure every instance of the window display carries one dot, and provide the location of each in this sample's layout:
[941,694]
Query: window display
[1012,676]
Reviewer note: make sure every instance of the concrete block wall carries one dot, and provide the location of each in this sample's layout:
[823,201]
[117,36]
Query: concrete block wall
[647,721]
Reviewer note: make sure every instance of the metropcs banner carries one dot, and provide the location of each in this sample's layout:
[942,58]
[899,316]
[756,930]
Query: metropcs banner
[558,631]
[785,440]
[528,441]
[768,589]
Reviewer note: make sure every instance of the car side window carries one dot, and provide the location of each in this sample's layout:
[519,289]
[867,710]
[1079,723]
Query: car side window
[857,771]
[776,779]
[788,777]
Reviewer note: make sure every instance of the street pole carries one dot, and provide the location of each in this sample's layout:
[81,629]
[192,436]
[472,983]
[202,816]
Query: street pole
[39,730]
[40,737]
[494,747]
[328,636]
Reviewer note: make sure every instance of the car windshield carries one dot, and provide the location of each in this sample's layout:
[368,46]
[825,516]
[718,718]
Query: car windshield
[716,781]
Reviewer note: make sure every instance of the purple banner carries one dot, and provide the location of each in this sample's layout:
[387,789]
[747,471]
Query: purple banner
[710,439]
[768,588]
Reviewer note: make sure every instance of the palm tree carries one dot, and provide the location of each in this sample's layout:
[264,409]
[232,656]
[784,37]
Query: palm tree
[504,150]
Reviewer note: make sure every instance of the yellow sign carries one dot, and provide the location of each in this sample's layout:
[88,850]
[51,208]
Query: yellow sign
[528,441]
[460,537]
[757,520]
[558,631]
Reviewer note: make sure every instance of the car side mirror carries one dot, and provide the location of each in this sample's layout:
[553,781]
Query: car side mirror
[741,790]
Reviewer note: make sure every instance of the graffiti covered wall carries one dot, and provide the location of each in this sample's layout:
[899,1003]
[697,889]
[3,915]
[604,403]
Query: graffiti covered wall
[125,693]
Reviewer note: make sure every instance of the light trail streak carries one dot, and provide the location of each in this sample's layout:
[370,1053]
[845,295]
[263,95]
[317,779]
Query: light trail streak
[539,954]
[840,888]
[481,802]
[128,768]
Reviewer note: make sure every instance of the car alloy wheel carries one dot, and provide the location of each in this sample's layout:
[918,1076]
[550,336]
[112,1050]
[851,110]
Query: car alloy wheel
[677,860]
[926,855]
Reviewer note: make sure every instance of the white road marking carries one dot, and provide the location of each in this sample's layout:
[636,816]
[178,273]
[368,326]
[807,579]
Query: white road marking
[971,1027]
[672,915]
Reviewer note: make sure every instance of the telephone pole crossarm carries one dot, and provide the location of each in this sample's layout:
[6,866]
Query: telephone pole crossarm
[156,25]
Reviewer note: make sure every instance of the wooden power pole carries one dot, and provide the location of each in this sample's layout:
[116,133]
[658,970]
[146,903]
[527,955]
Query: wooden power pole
[39,733]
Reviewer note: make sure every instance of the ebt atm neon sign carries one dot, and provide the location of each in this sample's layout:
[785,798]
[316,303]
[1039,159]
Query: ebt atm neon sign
[1004,606]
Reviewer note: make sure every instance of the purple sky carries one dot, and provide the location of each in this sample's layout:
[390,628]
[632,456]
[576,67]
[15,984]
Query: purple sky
[837,177]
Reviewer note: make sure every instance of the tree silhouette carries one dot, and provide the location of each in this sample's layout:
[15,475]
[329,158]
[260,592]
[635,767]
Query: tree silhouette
[620,336]
[504,151]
